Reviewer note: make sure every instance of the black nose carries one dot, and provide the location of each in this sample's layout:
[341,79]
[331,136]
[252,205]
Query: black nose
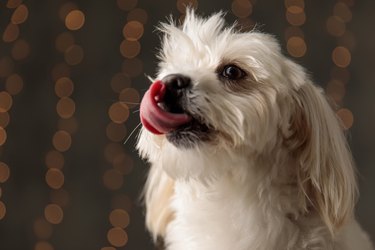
[176,82]
[175,98]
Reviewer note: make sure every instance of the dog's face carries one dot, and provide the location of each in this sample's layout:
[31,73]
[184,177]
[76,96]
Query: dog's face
[231,84]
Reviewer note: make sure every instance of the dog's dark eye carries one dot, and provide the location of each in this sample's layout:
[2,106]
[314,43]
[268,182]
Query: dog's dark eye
[232,72]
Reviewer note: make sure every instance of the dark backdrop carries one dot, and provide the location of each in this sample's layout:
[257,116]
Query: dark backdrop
[67,181]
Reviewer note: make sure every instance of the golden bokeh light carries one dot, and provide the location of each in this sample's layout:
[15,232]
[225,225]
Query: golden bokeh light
[74,55]
[242,8]
[342,10]
[346,117]
[62,140]
[121,201]
[6,101]
[127,4]
[139,15]
[69,125]
[11,33]
[130,49]
[74,20]
[20,14]
[335,26]
[119,218]
[53,214]
[119,82]
[132,67]
[133,30]
[59,197]
[64,41]
[292,31]
[295,15]
[118,112]
[42,229]
[3,210]
[12,4]
[64,87]
[20,50]
[55,178]
[130,97]
[341,57]
[54,159]
[336,90]
[296,47]
[112,150]
[4,172]
[43,245]
[112,179]
[65,107]
[60,70]
[123,163]
[3,136]
[14,84]
[4,119]
[116,132]
[182,4]
[117,237]
[297,3]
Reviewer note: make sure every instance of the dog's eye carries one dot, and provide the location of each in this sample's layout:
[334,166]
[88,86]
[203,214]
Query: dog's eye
[232,72]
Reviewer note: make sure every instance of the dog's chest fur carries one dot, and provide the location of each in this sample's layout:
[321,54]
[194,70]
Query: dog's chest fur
[237,212]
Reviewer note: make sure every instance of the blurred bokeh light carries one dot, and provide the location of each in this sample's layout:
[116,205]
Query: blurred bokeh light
[72,74]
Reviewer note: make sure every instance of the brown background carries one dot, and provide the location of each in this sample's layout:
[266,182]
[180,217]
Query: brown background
[100,173]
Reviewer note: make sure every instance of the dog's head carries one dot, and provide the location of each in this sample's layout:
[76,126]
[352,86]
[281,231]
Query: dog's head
[230,84]
[222,93]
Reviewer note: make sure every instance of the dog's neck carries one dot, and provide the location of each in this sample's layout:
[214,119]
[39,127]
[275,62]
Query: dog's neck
[254,196]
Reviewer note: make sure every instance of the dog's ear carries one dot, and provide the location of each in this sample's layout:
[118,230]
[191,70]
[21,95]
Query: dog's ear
[157,195]
[325,173]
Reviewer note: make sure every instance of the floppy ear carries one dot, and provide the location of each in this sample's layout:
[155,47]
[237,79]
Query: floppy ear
[158,192]
[325,173]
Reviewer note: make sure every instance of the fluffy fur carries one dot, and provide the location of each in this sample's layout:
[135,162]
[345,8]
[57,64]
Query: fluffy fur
[276,172]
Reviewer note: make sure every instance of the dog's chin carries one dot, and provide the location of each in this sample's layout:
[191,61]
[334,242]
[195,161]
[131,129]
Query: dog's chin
[191,135]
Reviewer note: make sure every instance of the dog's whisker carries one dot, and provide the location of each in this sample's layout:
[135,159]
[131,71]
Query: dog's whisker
[131,103]
[130,135]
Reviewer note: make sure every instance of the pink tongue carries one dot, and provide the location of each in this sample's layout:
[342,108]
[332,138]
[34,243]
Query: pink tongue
[155,119]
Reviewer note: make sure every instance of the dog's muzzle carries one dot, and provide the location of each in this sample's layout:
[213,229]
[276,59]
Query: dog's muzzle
[161,107]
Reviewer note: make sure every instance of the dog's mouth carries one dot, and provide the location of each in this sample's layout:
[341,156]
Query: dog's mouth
[162,113]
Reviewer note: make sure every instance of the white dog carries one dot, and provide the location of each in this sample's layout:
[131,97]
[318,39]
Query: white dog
[246,153]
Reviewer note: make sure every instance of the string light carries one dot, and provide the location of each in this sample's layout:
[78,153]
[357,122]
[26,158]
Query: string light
[117,237]
[73,54]
[11,33]
[118,113]
[336,26]
[74,20]
[294,36]
[13,81]
[20,14]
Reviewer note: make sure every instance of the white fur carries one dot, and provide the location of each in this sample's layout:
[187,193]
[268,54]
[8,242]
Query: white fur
[277,175]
